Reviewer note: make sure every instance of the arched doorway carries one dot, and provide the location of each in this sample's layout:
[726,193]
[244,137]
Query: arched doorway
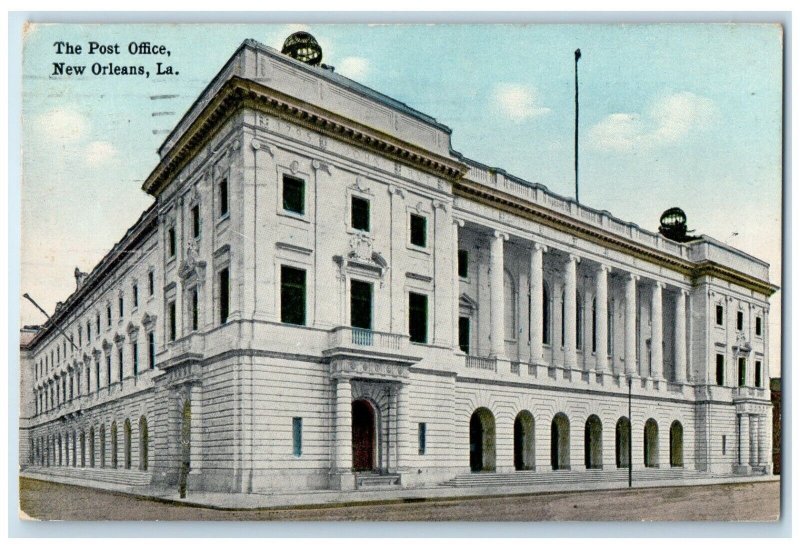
[623,442]
[523,441]
[651,443]
[559,442]
[482,441]
[363,435]
[676,444]
[593,443]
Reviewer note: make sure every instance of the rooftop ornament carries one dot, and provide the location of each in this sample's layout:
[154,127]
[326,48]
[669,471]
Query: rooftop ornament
[304,48]
[673,225]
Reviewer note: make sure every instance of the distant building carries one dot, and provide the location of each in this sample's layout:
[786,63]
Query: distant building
[324,295]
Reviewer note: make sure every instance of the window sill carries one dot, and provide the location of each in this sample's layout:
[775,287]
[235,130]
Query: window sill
[294,215]
[351,230]
[224,217]
[420,249]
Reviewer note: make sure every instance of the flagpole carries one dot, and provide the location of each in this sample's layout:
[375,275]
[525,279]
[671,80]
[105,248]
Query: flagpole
[577,56]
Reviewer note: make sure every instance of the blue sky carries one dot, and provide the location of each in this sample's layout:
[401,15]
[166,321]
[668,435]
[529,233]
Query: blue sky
[671,115]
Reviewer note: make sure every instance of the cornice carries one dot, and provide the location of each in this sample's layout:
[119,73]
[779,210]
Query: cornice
[500,200]
[238,93]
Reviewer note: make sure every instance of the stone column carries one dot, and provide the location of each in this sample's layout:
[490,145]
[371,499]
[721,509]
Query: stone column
[403,427]
[630,324]
[441,329]
[744,439]
[763,433]
[457,223]
[601,317]
[537,302]
[343,436]
[657,337]
[680,337]
[497,301]
[570,311]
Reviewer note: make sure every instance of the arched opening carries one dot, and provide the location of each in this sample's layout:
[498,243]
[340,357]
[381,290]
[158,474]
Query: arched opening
[143,444]
[102,446]
[114,445]
[482,441]
[623,443]
[676,444]
[91,447]
[651,443]
[593,443]
[523,441]
[559,442]
[83,448]
[364,429]
[127,443]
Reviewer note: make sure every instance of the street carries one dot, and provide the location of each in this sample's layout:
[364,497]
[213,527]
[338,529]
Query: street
[737,502]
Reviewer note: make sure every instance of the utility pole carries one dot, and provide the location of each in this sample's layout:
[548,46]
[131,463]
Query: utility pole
[29,298]
[577,57]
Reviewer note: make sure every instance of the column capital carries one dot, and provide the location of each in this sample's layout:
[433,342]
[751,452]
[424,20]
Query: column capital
[658,284]
[394,189]
[574,257]
[458,222]
[499,235]
[604,267]
[683,292]
[633,277]
[536,246]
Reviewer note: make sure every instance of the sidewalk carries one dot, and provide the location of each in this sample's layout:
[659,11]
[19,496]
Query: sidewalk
[331,498]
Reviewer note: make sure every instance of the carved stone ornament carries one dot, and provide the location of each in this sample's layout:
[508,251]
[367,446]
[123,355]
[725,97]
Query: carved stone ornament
[319,165]
[294,166]
[370,369]
[361,247]
[191,265]
[361,186]
[742,345]
[149,321]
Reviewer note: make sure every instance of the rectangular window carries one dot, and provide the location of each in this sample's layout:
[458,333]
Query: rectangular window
[224,295]
[88,379]
[108,369]
[463,334]
[135,295]
[151,349]
[108,315]
[121,363]
[360,304]
[121,306]
[293,295]
[80,336]
[418,317]
[294,195]
[297,436]
[419,232]
[97,322]
[739,320]
[758,374]
[223,198]
[135,357]
[758,326]
[720,315]
[742,371]
[720,369]
[196,221]
[171,242]
[421,434]
[193,309]
[463,263]
[173,327]
[151,283]
[88,332]
[97,375]
[359,213]
[724,444]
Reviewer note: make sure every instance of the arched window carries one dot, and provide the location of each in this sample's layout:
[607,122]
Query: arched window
[651,443]
[114,445]
[510,298]
[482,456]
[593,443]
[676,444]
[102,446]
[559,442]
[127,443]
[545,314]
[523,441]
[144,441]
[623,442]
[91,447]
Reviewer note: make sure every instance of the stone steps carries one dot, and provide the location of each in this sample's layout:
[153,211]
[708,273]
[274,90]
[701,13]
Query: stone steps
[128,477]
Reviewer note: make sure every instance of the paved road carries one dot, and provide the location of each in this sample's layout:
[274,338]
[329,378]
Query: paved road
[746,502]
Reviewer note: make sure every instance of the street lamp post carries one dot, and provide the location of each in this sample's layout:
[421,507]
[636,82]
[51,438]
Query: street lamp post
[630,433]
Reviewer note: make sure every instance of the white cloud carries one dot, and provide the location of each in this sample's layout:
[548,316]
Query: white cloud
[353,67]
[516,101]
[99,152]
[62,124]
[669,119]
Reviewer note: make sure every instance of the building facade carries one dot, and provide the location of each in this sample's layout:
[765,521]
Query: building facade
[324,295]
